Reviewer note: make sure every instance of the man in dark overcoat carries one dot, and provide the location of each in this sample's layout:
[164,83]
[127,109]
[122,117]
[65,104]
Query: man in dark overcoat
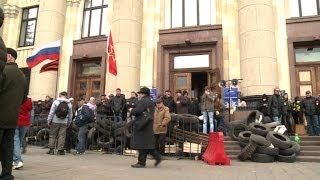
[143,139]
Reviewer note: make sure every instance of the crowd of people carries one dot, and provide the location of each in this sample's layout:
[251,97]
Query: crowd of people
[292,112]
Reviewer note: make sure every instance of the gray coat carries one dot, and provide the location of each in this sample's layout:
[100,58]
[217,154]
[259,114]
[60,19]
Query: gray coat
[207,102]
[52,116]
[143,139]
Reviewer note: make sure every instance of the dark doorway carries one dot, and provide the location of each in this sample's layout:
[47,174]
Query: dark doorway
[198,81]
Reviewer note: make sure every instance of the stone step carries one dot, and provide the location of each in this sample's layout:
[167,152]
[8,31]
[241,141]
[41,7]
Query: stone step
[308,138]
[308,158]
[232,157]
[232,152]
[309,153]
[310,148]
[231,143]
[310,143]
[236,147]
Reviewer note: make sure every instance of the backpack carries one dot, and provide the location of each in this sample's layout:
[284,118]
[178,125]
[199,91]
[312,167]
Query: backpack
[62,110]
[82,118]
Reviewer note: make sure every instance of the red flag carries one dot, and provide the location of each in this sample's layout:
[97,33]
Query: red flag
[112,57]
[52,66]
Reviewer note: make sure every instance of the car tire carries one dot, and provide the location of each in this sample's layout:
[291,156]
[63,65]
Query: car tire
[105,141]
[247,151]
[253,116]
[278,140]
[287,159]
[262,158]
[244,136]
[260,140]
[237,129]
[259,129]
[294,148]
[267,150]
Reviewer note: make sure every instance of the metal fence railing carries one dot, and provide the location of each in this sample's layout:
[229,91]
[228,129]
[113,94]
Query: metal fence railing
[184,138]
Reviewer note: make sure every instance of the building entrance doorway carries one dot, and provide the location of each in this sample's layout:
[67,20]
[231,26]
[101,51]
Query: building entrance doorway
[308,79]
[88,80]
[194,82]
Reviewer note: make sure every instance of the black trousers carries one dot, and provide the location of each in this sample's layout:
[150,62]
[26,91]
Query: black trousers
[6,152]
[70,141]
[298,118]
[287,123]
[142,158]
[160,140]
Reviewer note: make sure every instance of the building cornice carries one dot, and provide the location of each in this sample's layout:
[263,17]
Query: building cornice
[11,10]
[73,2]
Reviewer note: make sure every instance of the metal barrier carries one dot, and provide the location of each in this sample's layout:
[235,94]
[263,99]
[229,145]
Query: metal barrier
[112,135]
[38,132]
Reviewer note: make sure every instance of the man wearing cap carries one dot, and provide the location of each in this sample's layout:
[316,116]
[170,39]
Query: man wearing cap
[160,125]
[308,107]
[3,53]
[13,94]
[142,134]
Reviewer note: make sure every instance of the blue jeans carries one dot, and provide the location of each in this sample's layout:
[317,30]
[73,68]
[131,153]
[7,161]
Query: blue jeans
[207,115]
[312,125]
[20,132]
[221,126]
[276,119]
[81,146]
[118,117]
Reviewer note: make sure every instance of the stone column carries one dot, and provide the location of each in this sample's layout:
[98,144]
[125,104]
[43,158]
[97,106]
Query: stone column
[67,44]
[258,60]
[126,28]
[50,28]
[9,27]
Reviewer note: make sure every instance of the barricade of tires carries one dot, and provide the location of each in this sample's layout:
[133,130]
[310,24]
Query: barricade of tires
[38,132]
[108,135]
[260,143]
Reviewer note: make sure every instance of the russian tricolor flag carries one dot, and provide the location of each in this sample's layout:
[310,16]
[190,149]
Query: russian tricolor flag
[49,51]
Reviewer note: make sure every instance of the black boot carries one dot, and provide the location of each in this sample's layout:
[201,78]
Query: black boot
[50,152]
[138,165]
[158,161]
[61,152]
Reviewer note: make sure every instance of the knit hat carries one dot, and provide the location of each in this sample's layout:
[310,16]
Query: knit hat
[12,52]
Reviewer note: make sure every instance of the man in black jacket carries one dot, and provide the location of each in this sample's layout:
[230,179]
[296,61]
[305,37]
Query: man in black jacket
[3,54]
[118,104]
[143,136]
[84,116]
[308,107]
[263,105]
[13,94]
[169,102]
[275,106]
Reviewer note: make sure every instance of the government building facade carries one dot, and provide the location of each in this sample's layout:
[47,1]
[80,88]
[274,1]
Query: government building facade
[168,44]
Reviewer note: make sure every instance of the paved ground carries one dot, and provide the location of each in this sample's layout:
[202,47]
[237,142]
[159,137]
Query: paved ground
[95,165]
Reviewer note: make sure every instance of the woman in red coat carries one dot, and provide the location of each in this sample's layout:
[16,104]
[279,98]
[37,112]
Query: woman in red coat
[22,127]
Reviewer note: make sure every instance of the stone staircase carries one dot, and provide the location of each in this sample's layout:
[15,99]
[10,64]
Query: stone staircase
[310,148]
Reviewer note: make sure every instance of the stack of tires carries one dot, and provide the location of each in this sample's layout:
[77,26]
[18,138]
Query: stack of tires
[108,135]
[260,143]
